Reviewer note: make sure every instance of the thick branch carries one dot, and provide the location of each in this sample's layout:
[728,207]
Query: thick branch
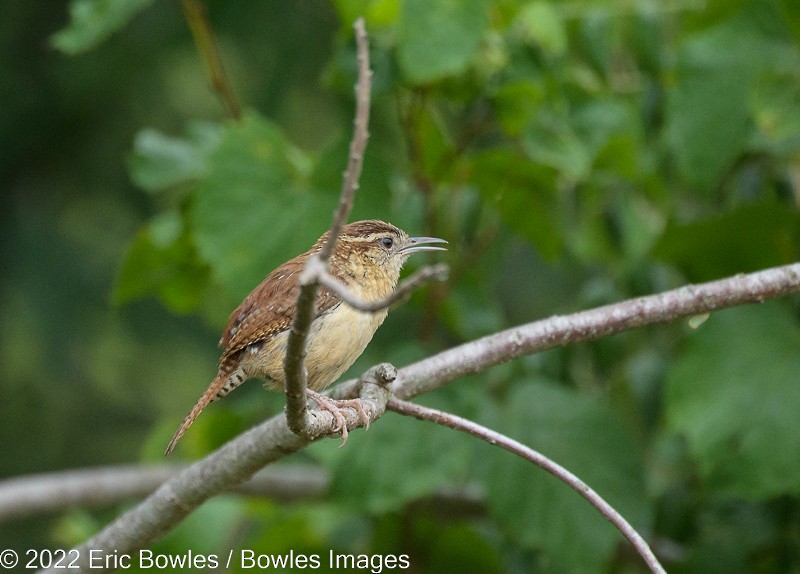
[95,487]
[561,473]
[557,331]
[297,414]
[230,465]
[35,494]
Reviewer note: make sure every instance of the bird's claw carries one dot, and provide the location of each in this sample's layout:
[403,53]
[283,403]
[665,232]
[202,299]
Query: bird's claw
[335,408]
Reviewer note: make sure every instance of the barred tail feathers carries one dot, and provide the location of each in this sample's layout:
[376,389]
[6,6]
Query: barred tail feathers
[219,387]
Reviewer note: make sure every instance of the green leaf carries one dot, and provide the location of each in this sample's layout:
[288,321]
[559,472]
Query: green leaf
[551,139]
[162,262]
[253,208]
[433,148]
[92,21]
[603,122]
[582,434]
[790,10]
[733,394]
[373,198]
[439,38]
[378,13]
[639,225]
[525,195]
[160,162]
[517,103]
[708,118]
[747,238]
[776,112]
[541,23]
[456,548]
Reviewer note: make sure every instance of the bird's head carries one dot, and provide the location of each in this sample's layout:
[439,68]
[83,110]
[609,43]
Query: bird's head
[377,247]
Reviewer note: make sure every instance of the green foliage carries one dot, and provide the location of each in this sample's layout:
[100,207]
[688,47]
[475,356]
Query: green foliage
[427,460]
[709,132]
[733,393]
[160,162]
[438,38]
[586,437]
[746,238]
[248,186]
[95,20]
[245,212]
[162,262]
[573,153]
[524,194]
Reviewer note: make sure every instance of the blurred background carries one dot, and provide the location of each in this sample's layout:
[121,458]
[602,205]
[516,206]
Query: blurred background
[573,153]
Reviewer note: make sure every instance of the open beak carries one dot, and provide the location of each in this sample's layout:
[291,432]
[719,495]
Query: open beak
[422,244]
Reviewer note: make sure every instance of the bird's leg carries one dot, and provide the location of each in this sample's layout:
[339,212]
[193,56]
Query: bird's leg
[334,407]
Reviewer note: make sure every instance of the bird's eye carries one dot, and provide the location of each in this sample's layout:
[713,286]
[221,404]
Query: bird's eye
[387,242]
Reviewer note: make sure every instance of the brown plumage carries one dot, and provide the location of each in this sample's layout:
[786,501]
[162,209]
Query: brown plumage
[368,258]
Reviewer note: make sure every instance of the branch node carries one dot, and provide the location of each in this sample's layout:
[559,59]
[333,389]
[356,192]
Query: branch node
[381,375]
[343,415]
[313,270]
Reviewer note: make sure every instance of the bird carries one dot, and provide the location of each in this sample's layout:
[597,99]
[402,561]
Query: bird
[367,258]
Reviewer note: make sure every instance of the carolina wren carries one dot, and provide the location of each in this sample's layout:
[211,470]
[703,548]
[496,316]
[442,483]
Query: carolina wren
[367,259]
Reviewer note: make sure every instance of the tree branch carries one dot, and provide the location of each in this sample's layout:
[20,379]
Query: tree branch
[35,494]
[204,40]
[240,458]
[298,417]
[561,473]
[559,331]
[358,144]
[94,487]
[231,464]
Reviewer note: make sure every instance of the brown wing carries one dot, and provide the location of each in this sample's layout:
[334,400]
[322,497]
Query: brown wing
[269,308]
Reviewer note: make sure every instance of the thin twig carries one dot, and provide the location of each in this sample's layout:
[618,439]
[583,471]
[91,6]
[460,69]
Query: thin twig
[297,414]
[358,144]
[197,19]
[546,464]
[422,276]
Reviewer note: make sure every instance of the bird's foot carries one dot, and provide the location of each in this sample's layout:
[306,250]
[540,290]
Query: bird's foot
[335,408]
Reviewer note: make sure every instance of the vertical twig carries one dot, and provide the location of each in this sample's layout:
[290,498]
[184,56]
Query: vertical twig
[197,19]
[358,144]
[297,416]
